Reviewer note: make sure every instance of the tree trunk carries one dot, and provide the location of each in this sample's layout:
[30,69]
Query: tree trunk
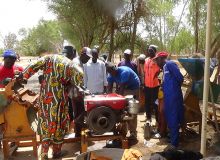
[196,26]
[111,46]
[136,13]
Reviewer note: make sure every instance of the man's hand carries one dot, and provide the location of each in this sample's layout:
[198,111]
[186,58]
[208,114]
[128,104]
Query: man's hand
[20,78]
[121,89]
[105,89]
[110,87]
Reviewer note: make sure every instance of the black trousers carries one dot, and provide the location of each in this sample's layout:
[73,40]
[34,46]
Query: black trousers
[79,111]
[70,109]
[151,95]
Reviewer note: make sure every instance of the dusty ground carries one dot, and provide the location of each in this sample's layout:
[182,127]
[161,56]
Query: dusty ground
[146,147]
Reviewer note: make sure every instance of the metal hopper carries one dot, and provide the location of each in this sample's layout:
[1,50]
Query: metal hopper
[195,68]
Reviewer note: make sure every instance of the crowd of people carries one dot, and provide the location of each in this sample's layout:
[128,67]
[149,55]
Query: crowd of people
[66,75]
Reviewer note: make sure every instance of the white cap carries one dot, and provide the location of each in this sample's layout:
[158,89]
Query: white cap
[87,51]
[154,46]
[141,57]
[127,51]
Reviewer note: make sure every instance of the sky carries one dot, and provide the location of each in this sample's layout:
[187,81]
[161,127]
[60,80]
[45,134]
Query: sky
[16,14]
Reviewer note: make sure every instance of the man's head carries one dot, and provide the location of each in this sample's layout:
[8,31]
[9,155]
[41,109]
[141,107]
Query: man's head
[152,50]
[127,55]
[160,58]
[69,52]
[85,55]
[9,58]
[95,55]
[141,58]
[111,69]
[97,47]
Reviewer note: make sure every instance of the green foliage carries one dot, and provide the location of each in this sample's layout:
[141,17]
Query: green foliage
[182,43]
[1,51]
[83,22]
[45,37]
[89,22]
[160,24]
[202,13]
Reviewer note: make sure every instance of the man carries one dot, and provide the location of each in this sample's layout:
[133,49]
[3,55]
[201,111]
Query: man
[8,69]
[173,98]
[127,61]
[151,71]
[53,120]
[83,58]
[77,98]
[95,74]
[128,84]
[140,67]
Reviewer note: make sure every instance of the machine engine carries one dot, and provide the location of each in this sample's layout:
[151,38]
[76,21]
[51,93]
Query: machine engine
[105,111]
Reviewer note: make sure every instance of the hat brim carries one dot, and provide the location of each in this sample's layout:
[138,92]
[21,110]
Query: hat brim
[163,56]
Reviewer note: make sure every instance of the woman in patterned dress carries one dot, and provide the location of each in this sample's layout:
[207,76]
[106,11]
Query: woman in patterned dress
[53,120]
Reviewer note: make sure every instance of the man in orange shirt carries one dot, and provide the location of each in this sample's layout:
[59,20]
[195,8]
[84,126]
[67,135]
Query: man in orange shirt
[151,70]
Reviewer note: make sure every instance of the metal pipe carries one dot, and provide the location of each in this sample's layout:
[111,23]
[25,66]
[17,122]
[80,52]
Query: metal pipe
[206,77]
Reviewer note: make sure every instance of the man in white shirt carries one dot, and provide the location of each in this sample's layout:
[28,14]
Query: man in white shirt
[95,74]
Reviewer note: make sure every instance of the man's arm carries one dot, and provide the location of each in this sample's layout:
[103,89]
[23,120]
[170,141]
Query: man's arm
[135,68]
[110,87]
[124,80]
[174,70]
[104,78]
[34,67]
[85,76]
[110,83]
[121,89]
[76,75]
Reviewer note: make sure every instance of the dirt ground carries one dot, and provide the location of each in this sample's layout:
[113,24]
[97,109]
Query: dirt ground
[146,147]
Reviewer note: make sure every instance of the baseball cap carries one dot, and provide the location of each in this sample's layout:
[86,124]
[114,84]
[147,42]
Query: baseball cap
[127,51]
[86,51]
[161,54]
[9,53]
[153,46]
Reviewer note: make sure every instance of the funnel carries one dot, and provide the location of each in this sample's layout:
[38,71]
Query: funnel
[194,67]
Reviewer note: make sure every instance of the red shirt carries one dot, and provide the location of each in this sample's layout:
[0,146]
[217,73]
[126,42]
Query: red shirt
[151,70]
[8,73]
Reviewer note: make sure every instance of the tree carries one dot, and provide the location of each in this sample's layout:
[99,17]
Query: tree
[198,19]
[99,21]
[45,37]
[160,24]
[10,41]
[138,11]
[182,43]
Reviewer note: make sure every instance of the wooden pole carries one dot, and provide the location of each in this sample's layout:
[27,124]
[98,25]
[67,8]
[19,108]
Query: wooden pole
[206,77]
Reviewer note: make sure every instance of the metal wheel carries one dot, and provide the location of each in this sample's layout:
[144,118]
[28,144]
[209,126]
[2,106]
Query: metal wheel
[101,120]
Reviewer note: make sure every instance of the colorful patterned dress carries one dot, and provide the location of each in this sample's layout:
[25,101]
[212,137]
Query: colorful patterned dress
[58,71]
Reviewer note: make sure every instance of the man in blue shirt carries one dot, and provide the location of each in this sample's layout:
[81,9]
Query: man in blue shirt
[128,83]
[173,98]
[124,77]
